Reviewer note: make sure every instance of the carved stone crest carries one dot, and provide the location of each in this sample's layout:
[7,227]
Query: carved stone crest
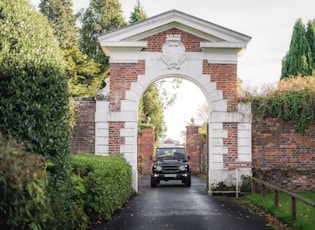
[173,51]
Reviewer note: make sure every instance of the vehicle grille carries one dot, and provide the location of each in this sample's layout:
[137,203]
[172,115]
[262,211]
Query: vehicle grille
[170,168]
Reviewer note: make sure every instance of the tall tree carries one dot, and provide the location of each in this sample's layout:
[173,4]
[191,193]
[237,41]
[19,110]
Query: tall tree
[101,16]
[298,60]
[310,34]
[138,13]
[81,72]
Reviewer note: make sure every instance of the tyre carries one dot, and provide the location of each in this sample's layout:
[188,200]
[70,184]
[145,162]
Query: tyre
[154,182]
[188,181]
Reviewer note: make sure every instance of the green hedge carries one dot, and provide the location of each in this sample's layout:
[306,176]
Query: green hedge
[101,186]
[34,98]
[23,181]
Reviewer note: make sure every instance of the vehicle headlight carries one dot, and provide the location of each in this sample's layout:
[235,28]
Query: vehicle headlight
[182,168]
[158,168]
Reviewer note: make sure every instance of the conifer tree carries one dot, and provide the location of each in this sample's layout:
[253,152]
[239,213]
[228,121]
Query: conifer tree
[81,72]
[101,16]
[310,33]
[298,60]
[138,13]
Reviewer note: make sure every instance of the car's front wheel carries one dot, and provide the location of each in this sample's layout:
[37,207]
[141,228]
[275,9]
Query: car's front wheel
[154,182]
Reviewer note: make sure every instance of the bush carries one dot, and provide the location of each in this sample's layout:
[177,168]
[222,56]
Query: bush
[23,181]
[294,100]
[101,185]
[34,97]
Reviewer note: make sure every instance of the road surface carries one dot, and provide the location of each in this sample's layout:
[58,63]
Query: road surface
[172,206]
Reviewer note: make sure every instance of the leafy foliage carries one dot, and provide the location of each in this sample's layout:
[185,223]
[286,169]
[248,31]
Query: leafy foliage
[151,111]
[101,185]
[294,100]
[23,182]
[100,17]
[81,72]
[34,96]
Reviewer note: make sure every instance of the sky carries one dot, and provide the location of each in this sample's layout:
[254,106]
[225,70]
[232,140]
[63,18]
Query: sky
[269,23]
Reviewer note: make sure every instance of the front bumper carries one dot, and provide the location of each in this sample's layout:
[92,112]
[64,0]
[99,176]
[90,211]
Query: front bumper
[171,176]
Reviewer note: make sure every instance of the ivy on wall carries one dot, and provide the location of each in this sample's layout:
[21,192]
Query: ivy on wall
[294,100]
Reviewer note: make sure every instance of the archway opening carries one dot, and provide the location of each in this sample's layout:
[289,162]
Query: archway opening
[186,115]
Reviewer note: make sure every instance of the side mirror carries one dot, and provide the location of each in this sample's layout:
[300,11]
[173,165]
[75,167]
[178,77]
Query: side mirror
[188,157]
[151,157]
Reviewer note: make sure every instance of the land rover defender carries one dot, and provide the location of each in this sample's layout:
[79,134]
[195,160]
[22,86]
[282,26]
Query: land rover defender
[170,163]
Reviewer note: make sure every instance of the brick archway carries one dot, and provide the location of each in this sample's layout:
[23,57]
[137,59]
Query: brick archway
[174,44]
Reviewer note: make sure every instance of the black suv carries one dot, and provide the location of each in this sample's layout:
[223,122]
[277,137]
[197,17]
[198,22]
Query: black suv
[170,164]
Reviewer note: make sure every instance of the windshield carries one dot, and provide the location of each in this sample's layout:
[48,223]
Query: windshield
[171,153]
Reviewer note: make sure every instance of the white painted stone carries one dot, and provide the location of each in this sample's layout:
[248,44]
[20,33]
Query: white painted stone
[131,125]
[101,111]
[102,150]
[246,158]
[101,125]
[132,95]
[143,80]
[216,142]
[123,116]
[216,165]
[210,86]
[244,134]
[128,105]
[216,126]
[244,126]
[218,150]
[219,106]
[244,142]
[244,150]
[129,157]
[219,134]
[216,95]
[135,86]
[102,140]
[217,158]
[129,140]
[192,66]
[127,132]
[127,149]
[204,79]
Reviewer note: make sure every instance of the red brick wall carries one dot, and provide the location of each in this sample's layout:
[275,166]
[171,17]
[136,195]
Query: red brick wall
[155,42]
[225,75]
[115,140]
[145,150]
[282,156]
[193,147]
[121,77]
[230,142]
[83,133]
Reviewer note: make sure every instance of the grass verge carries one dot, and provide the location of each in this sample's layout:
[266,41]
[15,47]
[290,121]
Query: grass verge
[305,213]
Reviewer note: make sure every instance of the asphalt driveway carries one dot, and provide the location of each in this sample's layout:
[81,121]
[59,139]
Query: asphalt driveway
[172,206]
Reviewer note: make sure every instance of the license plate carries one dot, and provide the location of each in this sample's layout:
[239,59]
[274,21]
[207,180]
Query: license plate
[170,175]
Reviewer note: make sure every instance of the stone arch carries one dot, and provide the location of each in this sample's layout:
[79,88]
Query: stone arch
[175,44]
